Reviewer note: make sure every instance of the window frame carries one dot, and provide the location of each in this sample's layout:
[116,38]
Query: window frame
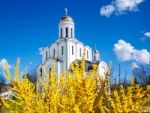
[61,32]
[87,54]
[46,55]
[80,52]
[41,72]
[54,52]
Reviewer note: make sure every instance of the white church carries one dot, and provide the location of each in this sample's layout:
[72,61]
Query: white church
[67,49]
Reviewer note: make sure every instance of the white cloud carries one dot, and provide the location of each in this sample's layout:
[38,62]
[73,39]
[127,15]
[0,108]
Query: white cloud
[119,7]
[123,50]
[126,52]
[141,56]
[147,34]
[107,10]
[4,64]
[127,5]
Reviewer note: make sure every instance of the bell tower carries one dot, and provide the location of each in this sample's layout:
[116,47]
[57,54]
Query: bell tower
[66,26]
[96,55]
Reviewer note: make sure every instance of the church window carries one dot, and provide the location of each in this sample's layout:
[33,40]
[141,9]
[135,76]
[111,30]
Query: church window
[62,50]
[72,50]
[94,57]
[54,52]
[71,32]
[66,32]
[46,55]
[80,52]
[87,54]
[61,32]
[50,71]
[41,72]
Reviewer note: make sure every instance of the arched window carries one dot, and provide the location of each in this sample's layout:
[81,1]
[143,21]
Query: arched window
[71,32]
[94,57]
[62,50]
[53,52]
[46,55]
[87,54]
[61,33]
[66,32]
[50,71]
[41,72]
[72,50]
[80,52]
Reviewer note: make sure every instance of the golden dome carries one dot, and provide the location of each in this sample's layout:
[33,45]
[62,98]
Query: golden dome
[66,18]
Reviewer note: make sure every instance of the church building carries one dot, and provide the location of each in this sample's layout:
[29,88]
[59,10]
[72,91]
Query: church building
[66,50]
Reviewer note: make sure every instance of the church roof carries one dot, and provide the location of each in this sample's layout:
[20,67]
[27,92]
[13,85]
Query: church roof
[66,18]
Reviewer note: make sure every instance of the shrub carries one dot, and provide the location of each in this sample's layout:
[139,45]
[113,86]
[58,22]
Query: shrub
[75,92]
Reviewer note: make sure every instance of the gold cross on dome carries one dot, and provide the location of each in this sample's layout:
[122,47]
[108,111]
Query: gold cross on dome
[66,11]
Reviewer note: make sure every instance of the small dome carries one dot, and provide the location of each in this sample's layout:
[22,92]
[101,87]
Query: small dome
[66,18]
[96,51]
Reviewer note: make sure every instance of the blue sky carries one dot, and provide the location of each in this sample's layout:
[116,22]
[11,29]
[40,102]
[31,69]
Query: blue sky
[27,25]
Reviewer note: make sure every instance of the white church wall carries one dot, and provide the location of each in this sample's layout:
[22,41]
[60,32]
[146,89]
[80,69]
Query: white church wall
[62,57]
[71,54]
[48,66]
[42,76]
[102,69]
[39,78]
[88,53]
[61,44]
[80,46]
[53,46]
[44,54]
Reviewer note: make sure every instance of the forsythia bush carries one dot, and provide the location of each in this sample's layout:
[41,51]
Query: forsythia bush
[75,92]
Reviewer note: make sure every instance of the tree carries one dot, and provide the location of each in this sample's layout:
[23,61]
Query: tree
[32,75]
[142,74]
